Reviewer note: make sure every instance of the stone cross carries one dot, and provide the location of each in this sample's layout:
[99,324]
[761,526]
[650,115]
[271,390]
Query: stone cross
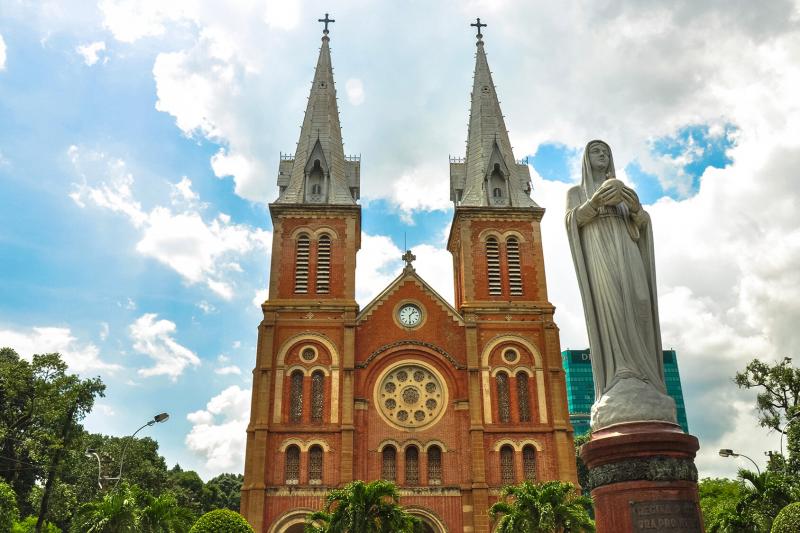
[479,26]
[327,20]
[408,257]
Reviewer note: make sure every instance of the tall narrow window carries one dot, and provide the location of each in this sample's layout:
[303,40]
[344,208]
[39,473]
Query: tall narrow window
[529,462]
[523,397]
[301,264]
[493,266]
[296,397]
[412,465]
[514,272]
[503,403]
[315,465]
[317,395]
[323,264]
[507,465]
[292,465]
[434,465]
[388,462]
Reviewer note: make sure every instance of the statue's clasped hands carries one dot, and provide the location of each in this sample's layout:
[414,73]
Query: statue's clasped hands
[612,192]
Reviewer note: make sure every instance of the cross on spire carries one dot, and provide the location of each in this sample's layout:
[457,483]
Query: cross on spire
[479,26]
[327,20]
[408,257]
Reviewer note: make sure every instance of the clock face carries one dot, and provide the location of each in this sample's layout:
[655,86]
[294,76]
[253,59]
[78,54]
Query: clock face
[409,315]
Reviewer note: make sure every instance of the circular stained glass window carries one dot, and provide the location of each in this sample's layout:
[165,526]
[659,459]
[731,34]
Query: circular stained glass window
[510,356]
[308,354]
[411,395]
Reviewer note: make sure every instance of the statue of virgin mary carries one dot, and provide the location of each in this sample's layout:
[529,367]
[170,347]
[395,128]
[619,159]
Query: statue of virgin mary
[611,239]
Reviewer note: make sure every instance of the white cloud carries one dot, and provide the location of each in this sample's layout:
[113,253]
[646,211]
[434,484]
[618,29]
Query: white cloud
[206,307]
[199,251]
[378,264]
[182,193]
[355,91]
[81,357]
[2,53]
[154,338]
[91,52]
[104,330]
[259,297]
[228,370]
[218,431]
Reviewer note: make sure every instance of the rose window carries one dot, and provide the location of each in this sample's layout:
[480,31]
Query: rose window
[411,396]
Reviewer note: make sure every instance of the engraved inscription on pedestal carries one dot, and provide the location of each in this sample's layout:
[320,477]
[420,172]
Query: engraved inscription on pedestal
[665,516]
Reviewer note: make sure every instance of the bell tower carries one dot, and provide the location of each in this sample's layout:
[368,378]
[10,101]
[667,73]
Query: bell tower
[517,393]
[301,410]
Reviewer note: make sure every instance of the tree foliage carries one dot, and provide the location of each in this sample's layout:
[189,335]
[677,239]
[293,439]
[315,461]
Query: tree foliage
[9,513]
[221,520]
[542,507]
[788,520]
[361,507]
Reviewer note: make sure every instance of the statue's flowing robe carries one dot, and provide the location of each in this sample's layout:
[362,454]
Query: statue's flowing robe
[613,256]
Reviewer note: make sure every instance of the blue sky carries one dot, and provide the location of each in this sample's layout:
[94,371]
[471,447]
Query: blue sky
[139,147]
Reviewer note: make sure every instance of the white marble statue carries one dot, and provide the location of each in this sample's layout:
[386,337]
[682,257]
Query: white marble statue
[612,247]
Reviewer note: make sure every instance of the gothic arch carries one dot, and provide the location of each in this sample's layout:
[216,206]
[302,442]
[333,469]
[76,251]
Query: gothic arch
[388,442]
[281,371]
[295,517]
[541,398]
[430,518]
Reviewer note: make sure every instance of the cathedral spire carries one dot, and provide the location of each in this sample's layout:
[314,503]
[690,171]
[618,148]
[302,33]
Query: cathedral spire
[489,175]
[319,172]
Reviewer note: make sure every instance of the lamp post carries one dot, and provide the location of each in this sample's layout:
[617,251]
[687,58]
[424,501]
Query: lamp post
[727,452]
[161,417]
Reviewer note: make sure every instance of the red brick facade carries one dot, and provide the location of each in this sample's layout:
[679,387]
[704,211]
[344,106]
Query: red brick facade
[475,355]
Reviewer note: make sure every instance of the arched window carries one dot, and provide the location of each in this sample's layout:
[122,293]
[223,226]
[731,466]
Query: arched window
[497,193]
[317,395]
[493,266]
[296,397]
[323,264]
[388,462]
[301,264]
[412,465]
[503,403]
[523,397]
[434,465]
[497,182]
[292,465]
[315,465]
[507,476]
[514,272]
[316,189]
[529,462]
[315,179]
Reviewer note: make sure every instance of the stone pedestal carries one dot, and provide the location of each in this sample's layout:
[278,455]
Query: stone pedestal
[642,478]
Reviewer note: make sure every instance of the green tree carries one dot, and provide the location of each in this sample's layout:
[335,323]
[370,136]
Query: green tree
[361,507]
[9,513]
[552,506]
[719,499]
[788,520]
[226,490]
[765,494]
[164,515]
[116,512]
[777,401]
[221,520]
[583,471]
[29,526]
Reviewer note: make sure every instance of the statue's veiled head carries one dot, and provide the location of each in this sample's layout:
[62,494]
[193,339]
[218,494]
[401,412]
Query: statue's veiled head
[598,165]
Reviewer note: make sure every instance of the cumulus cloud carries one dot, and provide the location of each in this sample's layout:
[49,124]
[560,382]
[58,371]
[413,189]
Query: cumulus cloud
[2,53]
[81,357]
[199,250]
[154,338]
[218,431]
[91,52]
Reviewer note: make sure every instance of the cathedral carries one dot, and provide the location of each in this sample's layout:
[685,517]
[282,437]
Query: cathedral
[450,402]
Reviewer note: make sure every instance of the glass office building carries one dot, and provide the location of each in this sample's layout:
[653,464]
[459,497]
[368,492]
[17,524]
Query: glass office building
[580,387]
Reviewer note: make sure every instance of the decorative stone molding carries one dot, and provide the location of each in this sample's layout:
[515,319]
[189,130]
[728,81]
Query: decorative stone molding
[657,468]
[410,342]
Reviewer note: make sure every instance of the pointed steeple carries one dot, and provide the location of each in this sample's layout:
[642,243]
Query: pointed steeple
[320,173]
[489,175]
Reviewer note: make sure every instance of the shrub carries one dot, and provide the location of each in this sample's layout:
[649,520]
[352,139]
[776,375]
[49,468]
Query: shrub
[788,520]
[221,520]
[29,526]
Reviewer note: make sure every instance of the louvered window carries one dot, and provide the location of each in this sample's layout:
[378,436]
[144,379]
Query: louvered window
[388,462]
[493,266]
[317,395]
[296,397]
[323,264]
[514,272]
[523,397]
[529,462]
[412,465]
[503,403]
[292,466]
[301,264]
[507,465]
[315,465]
[434,465]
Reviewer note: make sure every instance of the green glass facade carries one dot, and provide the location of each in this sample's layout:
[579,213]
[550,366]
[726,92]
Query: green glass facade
[580,387]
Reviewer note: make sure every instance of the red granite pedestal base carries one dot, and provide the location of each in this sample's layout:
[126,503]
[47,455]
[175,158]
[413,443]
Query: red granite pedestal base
[643,478]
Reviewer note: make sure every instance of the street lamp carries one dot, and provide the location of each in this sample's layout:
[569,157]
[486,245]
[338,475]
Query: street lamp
[727,452]
[93,453]
[789,420]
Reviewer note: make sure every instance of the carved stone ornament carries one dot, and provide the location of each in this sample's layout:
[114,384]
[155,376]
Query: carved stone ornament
[658,468]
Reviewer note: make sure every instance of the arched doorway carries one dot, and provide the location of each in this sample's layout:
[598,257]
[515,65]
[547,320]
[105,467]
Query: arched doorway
[431,523]
[291,522]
